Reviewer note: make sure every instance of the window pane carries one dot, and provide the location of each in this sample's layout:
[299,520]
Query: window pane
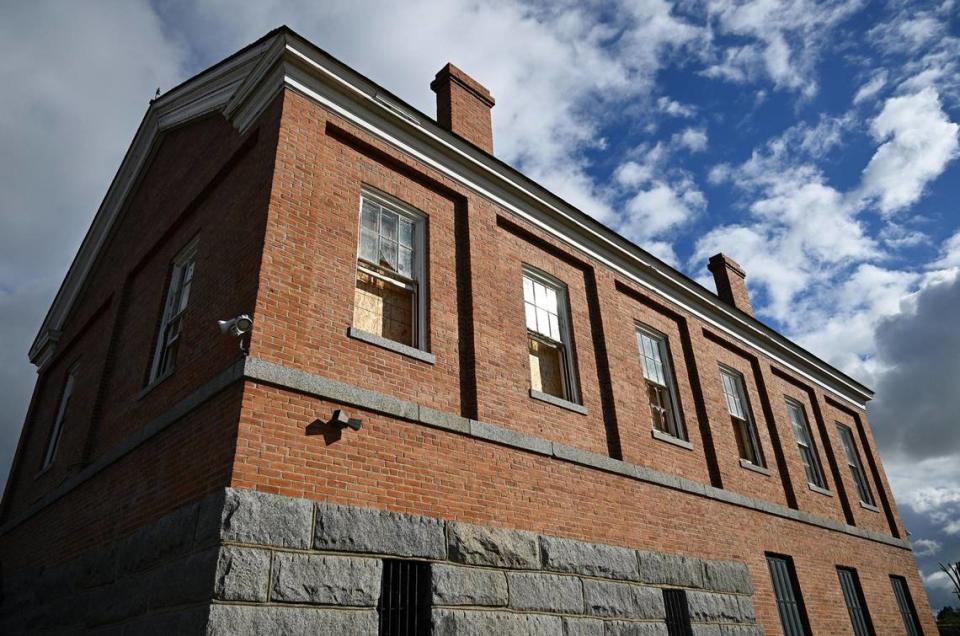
[531,315]
[543,321]
[554,327]
[528,290]
[406,233]
[388,224]
[388,254]
[370,216]
[368,246]
[406,262]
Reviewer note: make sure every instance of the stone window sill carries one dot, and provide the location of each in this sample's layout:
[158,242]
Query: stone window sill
[670,439]
[817,489]
[564,404]
[751,466]
[869,507]
[390,345]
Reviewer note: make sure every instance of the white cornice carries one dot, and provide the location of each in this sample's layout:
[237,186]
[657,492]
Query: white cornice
[288,61]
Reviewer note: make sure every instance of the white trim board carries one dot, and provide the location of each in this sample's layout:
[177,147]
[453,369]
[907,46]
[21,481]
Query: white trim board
[288,61]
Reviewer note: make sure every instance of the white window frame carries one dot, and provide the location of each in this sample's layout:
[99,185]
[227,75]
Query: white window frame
[56,434]
[740,387]
[663,347]
[808,443]
[570,388]
[418,283]
[187,255]
[852,455]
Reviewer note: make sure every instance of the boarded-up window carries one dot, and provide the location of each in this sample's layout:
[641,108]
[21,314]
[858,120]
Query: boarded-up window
[659,382]
[387,299]
[740,416]
[548,341]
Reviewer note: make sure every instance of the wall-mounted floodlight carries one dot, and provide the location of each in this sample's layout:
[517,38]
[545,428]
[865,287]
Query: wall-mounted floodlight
[238,327]
[341,420]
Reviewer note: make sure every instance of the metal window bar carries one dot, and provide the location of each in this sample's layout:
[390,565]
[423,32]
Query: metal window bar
[856,605]
[905,603]
[789,602]
[404,598]
[678,614]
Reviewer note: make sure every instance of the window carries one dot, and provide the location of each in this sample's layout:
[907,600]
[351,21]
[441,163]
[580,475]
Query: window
[856,606]
[171,327]
[793,616]
[405,598]
[388,299]
[905,603]
[62,410]
[678,614]
[739,411]
[548,339]
[655,358]
[808,452]
[856,468]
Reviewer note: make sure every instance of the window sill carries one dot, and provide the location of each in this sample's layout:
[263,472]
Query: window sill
[817,489]
[390,345]
[869,507]
[751,466]
[150,387]
[670,439]
[564,404]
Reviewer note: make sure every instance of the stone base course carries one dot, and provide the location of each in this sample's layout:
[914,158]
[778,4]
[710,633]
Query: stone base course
[244,562]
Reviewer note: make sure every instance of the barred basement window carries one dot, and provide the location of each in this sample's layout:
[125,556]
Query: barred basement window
[62,411]
[793,616]
[905,603]
[856,468]
[171,327]
[388,298]
[678,614]
[548,336]
[739,410]
[856,605]
[661,395]
[405,598]
[808,452]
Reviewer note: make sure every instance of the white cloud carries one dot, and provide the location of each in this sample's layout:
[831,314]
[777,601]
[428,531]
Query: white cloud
[938,579]
[674,108]
[660,208]
[926,547]
[787,39]
[949,253]
[871,88]
[693,139]
[917,142]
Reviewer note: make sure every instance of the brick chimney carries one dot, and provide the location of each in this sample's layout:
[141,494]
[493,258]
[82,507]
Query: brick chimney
[731,282]
[463,106]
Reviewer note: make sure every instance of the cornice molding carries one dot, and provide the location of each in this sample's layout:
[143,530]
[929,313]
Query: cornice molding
[243,87]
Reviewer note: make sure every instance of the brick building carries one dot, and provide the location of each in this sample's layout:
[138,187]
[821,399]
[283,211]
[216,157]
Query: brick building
[463,405]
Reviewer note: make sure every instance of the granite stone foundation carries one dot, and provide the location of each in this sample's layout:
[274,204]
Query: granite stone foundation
[243,562]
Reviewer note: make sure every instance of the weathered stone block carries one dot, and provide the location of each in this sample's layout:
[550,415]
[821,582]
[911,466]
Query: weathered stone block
[669,569]
[112,603]
[747,613]
[185,621]
[229,620]
[582,627]
[622,600]
[621,628]
[454,585]
[708,607]
[186,580]
[545,593]
[592,559]
[167,538]
[243,574]
[350,529]
[726,576]
[705,630]
[449,622]
[498,547]
[249,516]
[740,630]
[326,580]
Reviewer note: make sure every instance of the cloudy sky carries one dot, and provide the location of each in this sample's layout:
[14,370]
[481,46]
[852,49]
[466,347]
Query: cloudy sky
[816,143]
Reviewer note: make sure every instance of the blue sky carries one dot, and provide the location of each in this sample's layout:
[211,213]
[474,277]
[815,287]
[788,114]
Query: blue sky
[815,143]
